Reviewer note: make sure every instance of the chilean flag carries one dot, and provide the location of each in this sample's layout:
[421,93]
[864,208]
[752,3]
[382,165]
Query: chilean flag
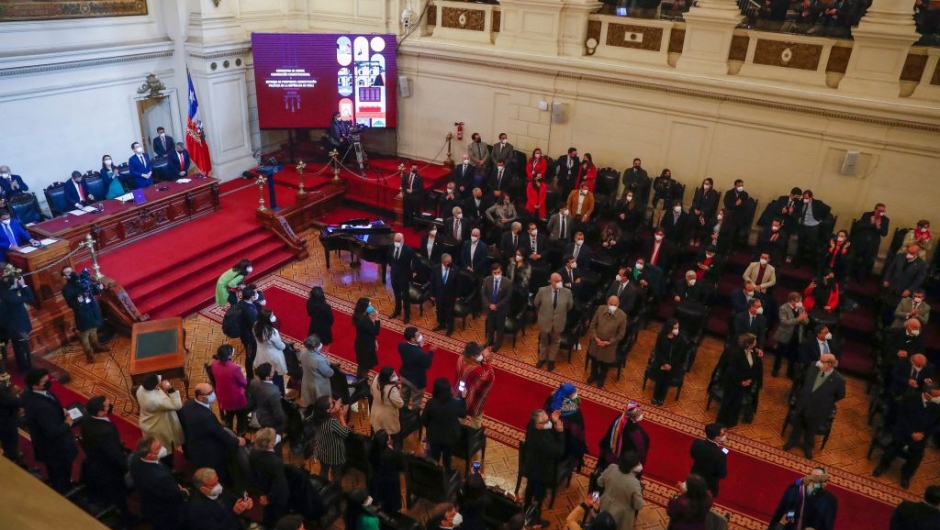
[195,135]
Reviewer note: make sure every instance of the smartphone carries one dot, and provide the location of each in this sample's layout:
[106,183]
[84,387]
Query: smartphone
[791,516]
[477,465]
[461,387]
[724,450]
[244,495]
[595,497]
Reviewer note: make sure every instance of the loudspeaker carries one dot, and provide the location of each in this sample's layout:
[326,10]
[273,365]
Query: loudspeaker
[403,87]
[849,163]
[558,112]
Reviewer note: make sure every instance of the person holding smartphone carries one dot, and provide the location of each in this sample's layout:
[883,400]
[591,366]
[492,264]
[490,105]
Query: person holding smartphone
[688,509]
[474,380]
[806,504]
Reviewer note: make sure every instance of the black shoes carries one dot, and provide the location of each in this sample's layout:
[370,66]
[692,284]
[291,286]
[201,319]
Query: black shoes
[395,314]
[551,366]
[789,445]
[540,364]
[880,470]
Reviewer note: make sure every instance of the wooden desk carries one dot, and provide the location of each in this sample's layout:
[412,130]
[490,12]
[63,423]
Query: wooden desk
[32,505]
[158,347]
[120,223]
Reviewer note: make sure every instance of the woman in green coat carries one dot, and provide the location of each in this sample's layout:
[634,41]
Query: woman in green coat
[230,282]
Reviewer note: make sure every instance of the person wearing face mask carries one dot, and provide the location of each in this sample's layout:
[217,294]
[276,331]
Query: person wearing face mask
[366,321]
[613,243]
[159,403]
[704,207]
[211,507]
[534,246]
[247,313]
[474,254]
[162,499]
[501,215]
[560,228]
[918,236]
[230,282]
[50,429]
[625,434]
[659,254]
[230,385]
[806,504]
[580,204]
[12,234]
[536,193]
[821,296]
[918,420]
[708,265]
[675,223]
[456,228]
[317,371]
[431,245]
[77,193]
[906,274]
[689,290]
[544,449]
[444,293]
[741,375]
[786,208]
[867,234]
[163,143]
[81,299]
[11,185]
[510,241]
[105,462]
[264,399]
[838,256]
[813,348]
[587,173]
[570,275]
[476,205]
[606,330]
[812,212]
[762,273]
[552,304]
[140,167]
[412,189]
[401,260]
[502,151]
[207,443]
[923,515]
[269,348]
[709,461]
[625,289]
[267,473]
[751,321]
[720,232]
[663,189]
[790,332]
[565,398]
[773,241]
[623,494]
[735,205]
[462,178]
[519,272]
[821,388]
[495,297]
[415,363]
[15,293]
[568,167]
[476,372]
[668,360]
[579,250]
[910,307]
[740,298]
[178,163]
[478,153]
[110,175]
[536,165]
[441,417]
[387,465]
[447,518]
[635,179]
[690,509]
[908,376]
[631,215]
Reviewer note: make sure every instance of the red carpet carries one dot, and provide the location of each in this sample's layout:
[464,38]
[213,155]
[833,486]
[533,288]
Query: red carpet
[753,487]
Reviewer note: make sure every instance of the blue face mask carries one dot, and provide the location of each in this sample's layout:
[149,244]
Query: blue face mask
[370,310]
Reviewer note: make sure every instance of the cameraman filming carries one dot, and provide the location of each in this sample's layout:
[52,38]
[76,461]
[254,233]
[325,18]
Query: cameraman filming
[79,292]
[14,295]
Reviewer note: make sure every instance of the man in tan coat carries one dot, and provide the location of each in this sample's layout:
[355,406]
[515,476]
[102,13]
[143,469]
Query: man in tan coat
[608,328]
[552,304]
[762,273]
[159,402]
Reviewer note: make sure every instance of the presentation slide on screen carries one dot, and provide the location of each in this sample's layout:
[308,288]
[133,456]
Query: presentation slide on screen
[302,79]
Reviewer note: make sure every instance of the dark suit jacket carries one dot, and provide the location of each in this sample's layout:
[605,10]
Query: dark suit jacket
[445,293]
[693,293]
[207,443]
[207,514]
[174,161]
[901,375]
[267,470]
[705,202]
[52,439]
[709,462]
[568,279]
[436,249]
[494,183]
[465,228]
[265,401]
[19,233]
[675,230]
[417,187]
[502,297]
[161,501]
[913,417]
[71,193]
[737,370]
[13,309]
[400,269]
[137,170]
[477,213]
[464,178]
[506,246]
[742,324]
[667,254]
[915,516]
[584,256]
[564,175]
[163,147]
[105,460]
[739,300]
[541,244]
[731,197]
[903,275]
[628,296]
[478,261]
[7,186]
[817,406]
[415,362]
[810,351]
[898,340]
[820,210]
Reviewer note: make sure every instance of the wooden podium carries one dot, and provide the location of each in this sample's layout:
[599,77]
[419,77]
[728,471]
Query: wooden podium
[158,347]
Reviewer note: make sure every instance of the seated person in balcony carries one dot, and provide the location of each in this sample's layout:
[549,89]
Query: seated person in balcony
[812,213]
[581,205]
[704,207]
[179,162]
[689,290]
[773,241]
[140,167]
[822,294]
[675,223]
[806,16]
[836,17]
[708,265]
[579,250]
[919,236]
[913,306]
[587,174]
[630,213]
[918,421]
[536,165]
[11,185]
[76,192]
[663,189]
[502,214]
[110,177]
[636,179]
[838,256]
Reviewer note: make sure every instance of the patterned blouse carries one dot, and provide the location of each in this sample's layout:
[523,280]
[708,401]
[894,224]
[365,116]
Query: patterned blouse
[330,441]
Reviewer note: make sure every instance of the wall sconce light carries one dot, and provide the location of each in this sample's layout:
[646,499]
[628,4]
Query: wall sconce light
[591,45]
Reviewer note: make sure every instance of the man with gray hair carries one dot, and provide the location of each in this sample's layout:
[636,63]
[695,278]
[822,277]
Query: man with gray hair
[509,242]
[211,506]
[822,387]
[552,304]
[807,504]
[918,420]
[11,185]
[400,260]
[444,293]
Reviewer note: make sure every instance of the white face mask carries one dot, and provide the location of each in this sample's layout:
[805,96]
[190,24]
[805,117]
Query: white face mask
[497,275]
[479,358]
[639,266]
[277,440]
[138,150]
[394,378]
[763,262]
[558,285]
[579,242]
[638,469]
[519,258]
[805,201]
[739,189]
[538,156]
[612,309]
[465,162]
[534,233]
[474,239]
[584,192]
[458,520]
[677,209]
[935,400]
[574,264]
[819,364]
[707,186]
[368,501]
[915,332]
[910,257]
[691,282]
[215,492]
[503,141]
[249,269]
[5,175]
[619,278]
[397,244]
[161,454]
[828,336]
[658,237]
[563,212]
[840,239]
[547,425]
[210,399]
[638,419]
[459,216]
[432,233]
[629,198]
[273,319]
[675,330]
[760,310]
[774,228]
[107,161]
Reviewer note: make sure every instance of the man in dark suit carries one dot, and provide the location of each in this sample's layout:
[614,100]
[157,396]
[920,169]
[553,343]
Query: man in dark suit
[212,508]
[76,192]
[822,387]
[568,167]
[12,234]
[474,254]
[925,515]
[535,246]
[401,270]
[451,199]
[50,428]
[689,290]
[476,206]
[179,162]
[207,444]
[866,239]
[105,461]
[162,500]
[740,298]
[752,321]
[502,151]
[625,290]
[659,254]
[14,295]
[431,247]
[918,420]
[463,176]
[579,251]
[415,363]
[457,228]
[248,315]
[511,241]
[709,458]
[910,374]
[495,298]
[444,293]
[140,167]
[162,143]
[570,275]
[11,185]
[264,399]
[412,189]
[10,408]
[811,215]
[813,348]
[773,241]
[905,274]
[499,180]
[785,208]
[675,223]
[636,179]
[903,342]
[735,203]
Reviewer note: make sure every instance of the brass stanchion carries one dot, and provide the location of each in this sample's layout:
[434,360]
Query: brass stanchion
[334,161]
[261,182]
[301,193]
[90,244]
[449,162]
[401,179]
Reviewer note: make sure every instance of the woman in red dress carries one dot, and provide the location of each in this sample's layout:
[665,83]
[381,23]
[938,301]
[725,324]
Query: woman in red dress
[587,172]
[535,197]
[537,165]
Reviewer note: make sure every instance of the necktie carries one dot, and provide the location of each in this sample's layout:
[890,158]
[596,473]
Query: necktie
[81,194]
[411,182]
[444,281]
[480,150]
[397,253]
[515,243]
[499,178]
[456,228]
[620,290]
[562,226]
[181,161]
[570,277]
[554,299]
[9,232]
[577,249]
[163,140]
[819,381]
[825,347]
[141,157]
[534,249]
[751,323]
[570,161]
[495,289]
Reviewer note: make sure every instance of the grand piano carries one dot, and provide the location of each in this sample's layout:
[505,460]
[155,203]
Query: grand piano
[364,239]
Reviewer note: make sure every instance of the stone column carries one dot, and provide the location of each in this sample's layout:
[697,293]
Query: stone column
[531,26]
[882,40]
[709,27]
[574,26]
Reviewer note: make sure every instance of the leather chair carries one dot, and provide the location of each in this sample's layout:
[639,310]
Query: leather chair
[692,319]
[318,500]
[516,321]
[676,379]
[825,429]
[500,507]
[468,296]
[420,289]
[563,470]
[25,208]
[608,179]
[55,198]
[410,421]
[357,456]
[471,442]
[425,479]
[716,393]
[96,187]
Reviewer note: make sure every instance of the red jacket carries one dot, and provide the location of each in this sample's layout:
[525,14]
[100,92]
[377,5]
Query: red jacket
[533,198]
[589,176]
[532,167]
[809,302]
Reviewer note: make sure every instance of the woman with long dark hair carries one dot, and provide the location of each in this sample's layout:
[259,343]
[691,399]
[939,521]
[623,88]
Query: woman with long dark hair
[385,486]
[536,165]
[743,374]
[231,282]
[704,207]
[441,419]
[688,510]
[230,385]
[386,402]
[321,317]
[587,173]
[519,272]
[366,321]
[536,197]
[668,359]
[472,500]
[109,177]
[623,495]
[270,347]
[329,421]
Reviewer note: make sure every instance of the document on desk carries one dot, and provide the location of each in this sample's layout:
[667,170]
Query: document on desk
[184,181]
[48,241]
[89,209]
[126,197]
[27,250]
[77,212]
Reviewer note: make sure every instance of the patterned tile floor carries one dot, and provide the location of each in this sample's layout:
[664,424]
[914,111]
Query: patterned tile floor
[845,451]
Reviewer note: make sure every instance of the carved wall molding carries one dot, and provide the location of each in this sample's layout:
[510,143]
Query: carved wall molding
[788,54]
[90,63]
[234,52]
[469,19]
[623,35]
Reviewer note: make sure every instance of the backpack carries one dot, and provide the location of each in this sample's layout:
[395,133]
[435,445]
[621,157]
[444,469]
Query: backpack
[232,322]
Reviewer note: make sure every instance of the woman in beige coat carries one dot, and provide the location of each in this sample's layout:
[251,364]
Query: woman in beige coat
[159,402]
[386,402]
[623,496]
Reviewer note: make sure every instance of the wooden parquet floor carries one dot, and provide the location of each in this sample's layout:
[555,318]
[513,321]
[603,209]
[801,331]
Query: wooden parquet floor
[846,448]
